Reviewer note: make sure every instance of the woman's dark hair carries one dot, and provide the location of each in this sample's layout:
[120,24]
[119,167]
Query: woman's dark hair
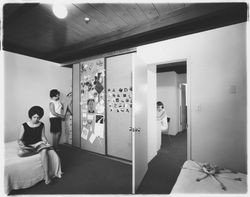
[36,110]
[93,100]
[159,103]
[53,93]
[89,85]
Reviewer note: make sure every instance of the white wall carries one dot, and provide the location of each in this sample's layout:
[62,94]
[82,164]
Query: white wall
[216,61]
[154,135]
[28,82]
[167,92]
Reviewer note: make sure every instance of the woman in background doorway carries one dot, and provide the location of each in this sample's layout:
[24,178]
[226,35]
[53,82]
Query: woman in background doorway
[162,116]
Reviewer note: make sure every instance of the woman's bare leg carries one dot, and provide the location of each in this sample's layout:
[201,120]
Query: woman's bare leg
[45,163]
[54,140]
[58,138]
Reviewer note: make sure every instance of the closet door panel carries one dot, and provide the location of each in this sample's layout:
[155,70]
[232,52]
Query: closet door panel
[92,105]
[119,106]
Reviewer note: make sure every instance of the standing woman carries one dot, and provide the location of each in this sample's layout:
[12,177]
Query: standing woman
[55,117]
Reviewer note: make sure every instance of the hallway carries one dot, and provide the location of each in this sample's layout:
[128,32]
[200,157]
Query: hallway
[164,169]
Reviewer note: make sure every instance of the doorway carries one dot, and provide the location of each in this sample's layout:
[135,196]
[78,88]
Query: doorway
[172,144]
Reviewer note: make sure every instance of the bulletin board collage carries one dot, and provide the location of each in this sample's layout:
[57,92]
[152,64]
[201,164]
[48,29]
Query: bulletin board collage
[92,87]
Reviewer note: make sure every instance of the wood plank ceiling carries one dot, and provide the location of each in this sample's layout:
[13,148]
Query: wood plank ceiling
[32,29]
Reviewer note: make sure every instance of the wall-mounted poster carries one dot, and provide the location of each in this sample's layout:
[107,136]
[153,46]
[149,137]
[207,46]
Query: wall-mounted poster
[92,103]
[120,102]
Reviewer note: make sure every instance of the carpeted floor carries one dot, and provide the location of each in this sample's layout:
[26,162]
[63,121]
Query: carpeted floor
[86,173]
[165,167]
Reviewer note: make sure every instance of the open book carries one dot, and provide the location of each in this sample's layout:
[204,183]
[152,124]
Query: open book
[37,147]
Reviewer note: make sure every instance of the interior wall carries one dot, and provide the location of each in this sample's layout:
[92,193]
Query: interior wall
[167,92]
[216,70]
[27,83]
[154,141]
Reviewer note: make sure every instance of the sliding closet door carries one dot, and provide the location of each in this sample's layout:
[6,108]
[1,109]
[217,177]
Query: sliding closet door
[119,106]
[92,105]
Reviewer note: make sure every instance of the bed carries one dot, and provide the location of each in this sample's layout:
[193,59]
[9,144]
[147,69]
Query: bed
[24,172]
[187,182]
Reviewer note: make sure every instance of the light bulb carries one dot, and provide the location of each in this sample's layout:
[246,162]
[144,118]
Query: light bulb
[87,19]
[60,10]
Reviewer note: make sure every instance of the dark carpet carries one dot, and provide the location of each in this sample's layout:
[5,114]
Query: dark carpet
[86,173]
[164,169]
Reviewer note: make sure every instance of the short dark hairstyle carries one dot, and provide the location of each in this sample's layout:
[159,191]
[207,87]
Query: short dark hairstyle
[159,103]
[53,93]
[36,110]
[89,85]
[90,100]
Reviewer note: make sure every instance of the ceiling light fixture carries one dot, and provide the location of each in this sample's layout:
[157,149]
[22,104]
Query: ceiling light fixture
[60,10]
[87,19]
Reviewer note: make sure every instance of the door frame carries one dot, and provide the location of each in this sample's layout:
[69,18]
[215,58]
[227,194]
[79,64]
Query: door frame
[188,96]
[180,101]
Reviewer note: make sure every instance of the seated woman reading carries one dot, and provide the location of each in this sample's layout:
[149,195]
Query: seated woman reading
[32,139]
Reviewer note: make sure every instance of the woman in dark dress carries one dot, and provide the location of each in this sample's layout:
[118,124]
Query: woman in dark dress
[32,139]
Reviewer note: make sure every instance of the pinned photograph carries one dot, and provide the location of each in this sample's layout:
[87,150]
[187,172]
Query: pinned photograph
[84,133]
[92,138]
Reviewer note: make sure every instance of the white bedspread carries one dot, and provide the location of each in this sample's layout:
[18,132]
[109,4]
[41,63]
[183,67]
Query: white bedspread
[24,172]
[186,182]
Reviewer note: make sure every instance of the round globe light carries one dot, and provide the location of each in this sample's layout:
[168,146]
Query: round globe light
[60,10]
